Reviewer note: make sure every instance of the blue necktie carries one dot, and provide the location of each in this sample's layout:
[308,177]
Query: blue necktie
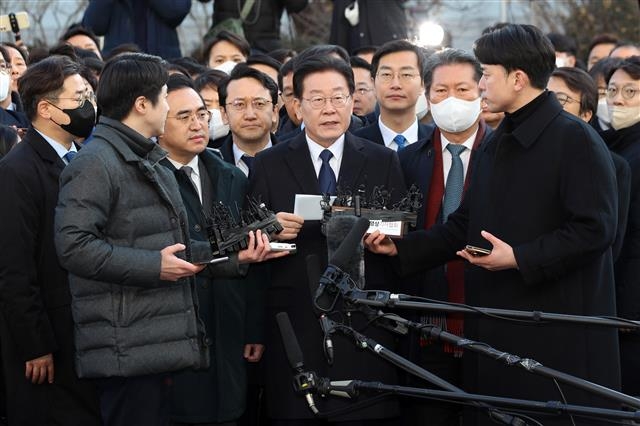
[401,141]
[455,182]
[70,156]
[326,177]
[248,160]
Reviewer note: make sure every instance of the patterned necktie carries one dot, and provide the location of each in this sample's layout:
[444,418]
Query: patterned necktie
[401,141]
[70,156]
[248,160]
[326,177]
[187,171]
[455,182]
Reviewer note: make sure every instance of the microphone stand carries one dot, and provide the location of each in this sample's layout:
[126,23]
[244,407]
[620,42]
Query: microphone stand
[364,342]
[355,297]
[387,299]
[351,388]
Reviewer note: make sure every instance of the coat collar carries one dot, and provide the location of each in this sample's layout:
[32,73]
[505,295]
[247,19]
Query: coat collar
[130,144]
[539,118]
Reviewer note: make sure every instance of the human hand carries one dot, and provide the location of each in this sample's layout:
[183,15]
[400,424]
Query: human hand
[40,369]
[258,249]
[172,268]
[501,256]
[253,352]
[292,223]
[379,243]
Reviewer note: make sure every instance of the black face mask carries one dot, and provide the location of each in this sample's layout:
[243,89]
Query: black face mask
[82,120]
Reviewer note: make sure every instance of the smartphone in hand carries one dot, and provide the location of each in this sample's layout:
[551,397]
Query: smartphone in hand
[477,251]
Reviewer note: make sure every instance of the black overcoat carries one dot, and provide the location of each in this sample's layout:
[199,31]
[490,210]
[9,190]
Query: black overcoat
[548,189]
[279,173]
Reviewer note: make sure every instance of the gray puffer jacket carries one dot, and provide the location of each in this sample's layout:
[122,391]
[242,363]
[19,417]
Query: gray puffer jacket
[117,208]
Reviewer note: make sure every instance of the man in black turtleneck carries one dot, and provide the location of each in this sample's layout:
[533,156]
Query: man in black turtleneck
[543,199]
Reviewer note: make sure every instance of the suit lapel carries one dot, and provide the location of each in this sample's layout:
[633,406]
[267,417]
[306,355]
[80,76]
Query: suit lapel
[47,154]
[299,162]
[353,162]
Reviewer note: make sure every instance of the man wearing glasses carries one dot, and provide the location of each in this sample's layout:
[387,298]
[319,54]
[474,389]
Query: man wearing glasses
[397,71]
[227,307]
[248,99]
[36,328]
[324,157]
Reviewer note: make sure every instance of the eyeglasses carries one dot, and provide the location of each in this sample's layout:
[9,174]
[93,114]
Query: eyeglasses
[87,96]
[363,91]
[565,99]
[5,68]
[627,92]
[240,105]
[318,102]
[203,116]
[404,77]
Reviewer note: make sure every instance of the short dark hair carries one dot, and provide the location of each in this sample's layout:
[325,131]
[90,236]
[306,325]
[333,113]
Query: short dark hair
[603,67]
[44,79]
[241,43]
[320,51]
[127,77]
[267,60]
[494,27]
[285,69]
[179,81]
[245,71]
[581,82]
[78,29]
[631,66]
[210,78]
[393,47]
[522,47]
[358,62]
[602,39]
[21,51]
[321,64]
[563,43]
[123,48]
[450,57]
[281,55]
[190,65]
[364,50]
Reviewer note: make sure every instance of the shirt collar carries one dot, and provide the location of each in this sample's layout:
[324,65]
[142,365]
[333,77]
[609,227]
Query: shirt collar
[467,143]
[410,133]
[238,153]
[193,164]
[60,149]
[336,148]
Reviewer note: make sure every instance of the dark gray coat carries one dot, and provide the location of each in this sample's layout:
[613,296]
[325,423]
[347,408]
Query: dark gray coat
[118,207]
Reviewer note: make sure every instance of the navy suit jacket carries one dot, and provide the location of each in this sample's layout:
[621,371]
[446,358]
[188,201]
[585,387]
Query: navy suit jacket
[372,132]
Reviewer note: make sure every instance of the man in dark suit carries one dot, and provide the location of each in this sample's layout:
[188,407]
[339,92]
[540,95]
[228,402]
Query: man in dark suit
[397,71]
[439,165]
[550,235]
[231,309]
[325,156]
[248,100]
[35,322]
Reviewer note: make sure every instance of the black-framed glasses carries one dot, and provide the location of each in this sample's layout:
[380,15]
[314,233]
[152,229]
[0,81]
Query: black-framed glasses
[318,102]
[240,105]
[564,99]
[203,116]
[627,91]
[403,76]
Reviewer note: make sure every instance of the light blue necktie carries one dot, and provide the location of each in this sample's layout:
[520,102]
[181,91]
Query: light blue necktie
[401,141]
[326,177]
[70,156]
[455,182]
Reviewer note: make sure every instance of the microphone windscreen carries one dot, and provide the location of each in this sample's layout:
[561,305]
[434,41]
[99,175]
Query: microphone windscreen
[290,341]
[349,245]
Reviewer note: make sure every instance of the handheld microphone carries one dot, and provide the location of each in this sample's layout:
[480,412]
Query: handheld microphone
[339,262]
[303,382]
[313,274]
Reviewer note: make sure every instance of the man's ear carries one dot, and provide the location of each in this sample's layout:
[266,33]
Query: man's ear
[296,108]
[43,109]
[223,114]
[141,104]
[521,80]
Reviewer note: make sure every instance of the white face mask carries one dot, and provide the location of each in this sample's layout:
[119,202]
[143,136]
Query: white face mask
[623,117]
[561,62]
[226,67]
[5,86]
[422,107]
[217,128]
[603,112]
[455,115]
